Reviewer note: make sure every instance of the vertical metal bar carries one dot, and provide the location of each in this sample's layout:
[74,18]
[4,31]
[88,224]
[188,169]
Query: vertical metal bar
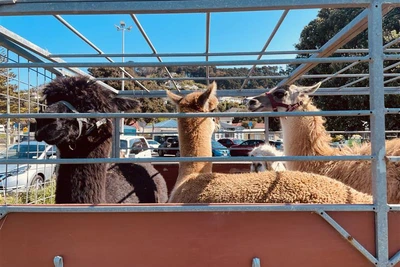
[123,29]
[8,103]
[256,262]
[285,12]
[266,127]
[379,186]
[208,17]
[19,111]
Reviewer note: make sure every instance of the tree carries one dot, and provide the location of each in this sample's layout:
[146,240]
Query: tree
[316,34]
[148,105]
[9,97]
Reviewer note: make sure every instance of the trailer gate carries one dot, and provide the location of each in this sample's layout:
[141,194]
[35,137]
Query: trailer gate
[213,234]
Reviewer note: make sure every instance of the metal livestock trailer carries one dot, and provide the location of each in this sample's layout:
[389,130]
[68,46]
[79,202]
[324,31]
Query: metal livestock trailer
[213,234]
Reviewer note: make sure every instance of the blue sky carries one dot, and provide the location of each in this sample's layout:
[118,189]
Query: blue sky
[234,31]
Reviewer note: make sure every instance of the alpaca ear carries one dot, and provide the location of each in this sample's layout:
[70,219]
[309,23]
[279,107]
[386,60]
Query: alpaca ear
[211,91]
[175,98]
[309,89]
[126,104]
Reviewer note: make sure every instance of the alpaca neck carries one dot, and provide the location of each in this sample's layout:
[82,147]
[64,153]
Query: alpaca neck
[305,136]
[83,183]
[194,141]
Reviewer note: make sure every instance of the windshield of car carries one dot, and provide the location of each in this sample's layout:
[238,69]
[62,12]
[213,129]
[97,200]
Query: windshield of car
[152,142]
[237,141]
[24,151]
[216,144]
[123,144]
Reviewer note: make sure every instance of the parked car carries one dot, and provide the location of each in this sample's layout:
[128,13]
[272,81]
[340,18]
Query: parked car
[218,150]
[278,144]
[134,146]
[26,176]
[169,147]
[245,147]
[161,138]
[153,144]
[228,142]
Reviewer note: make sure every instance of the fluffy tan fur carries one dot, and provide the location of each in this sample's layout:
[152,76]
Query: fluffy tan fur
[197,184]
[307,136]
[266,187]
[311,139]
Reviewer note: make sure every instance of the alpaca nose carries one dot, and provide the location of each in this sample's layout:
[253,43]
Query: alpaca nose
[252,102]
[246,100]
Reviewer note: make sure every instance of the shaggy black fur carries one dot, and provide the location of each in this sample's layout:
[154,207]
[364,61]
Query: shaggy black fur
[93,183]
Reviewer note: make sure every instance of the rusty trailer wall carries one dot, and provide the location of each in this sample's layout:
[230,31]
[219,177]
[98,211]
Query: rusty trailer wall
[209,234]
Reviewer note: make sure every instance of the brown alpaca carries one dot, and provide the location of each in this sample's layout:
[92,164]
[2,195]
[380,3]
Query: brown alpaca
[306,136]
[197,184]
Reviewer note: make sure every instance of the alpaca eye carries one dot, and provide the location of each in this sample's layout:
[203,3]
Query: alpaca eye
[279,95]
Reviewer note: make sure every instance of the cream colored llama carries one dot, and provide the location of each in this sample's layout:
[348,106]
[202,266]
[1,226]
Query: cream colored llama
[306,136]
[266,150]
[197,184]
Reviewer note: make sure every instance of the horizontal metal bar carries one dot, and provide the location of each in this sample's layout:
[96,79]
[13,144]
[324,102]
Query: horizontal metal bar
[394,207]
[391,57]
[184,208]
[393,158]
[197,54]
[245,131]
[188,115]
[348,237]
[5,2]
[393,111]
[253,92]
[312,76]
[185,63]
[182,159]
[36,7]
[222,54]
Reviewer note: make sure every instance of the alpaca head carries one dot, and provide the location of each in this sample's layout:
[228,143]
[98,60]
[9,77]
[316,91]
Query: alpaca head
[265,150]
[78,95]
[198,102]
[282,98]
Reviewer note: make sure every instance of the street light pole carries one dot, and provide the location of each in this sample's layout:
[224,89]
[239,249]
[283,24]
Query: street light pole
[122,27]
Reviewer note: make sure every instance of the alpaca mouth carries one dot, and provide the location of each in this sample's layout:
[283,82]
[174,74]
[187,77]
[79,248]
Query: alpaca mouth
[256,108]
[50,137]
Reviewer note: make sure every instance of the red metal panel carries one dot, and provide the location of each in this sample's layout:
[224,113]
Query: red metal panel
[394,233]
[183,239]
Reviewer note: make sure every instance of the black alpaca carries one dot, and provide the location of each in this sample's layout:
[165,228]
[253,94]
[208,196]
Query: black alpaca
[91,138]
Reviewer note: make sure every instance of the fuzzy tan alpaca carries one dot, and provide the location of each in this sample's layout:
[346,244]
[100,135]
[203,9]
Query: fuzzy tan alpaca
[307,136]
[266,150]
[197,184]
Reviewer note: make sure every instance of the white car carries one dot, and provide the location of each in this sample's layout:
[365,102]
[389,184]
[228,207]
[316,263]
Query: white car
[24,176]
[153,144]
[134,146]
